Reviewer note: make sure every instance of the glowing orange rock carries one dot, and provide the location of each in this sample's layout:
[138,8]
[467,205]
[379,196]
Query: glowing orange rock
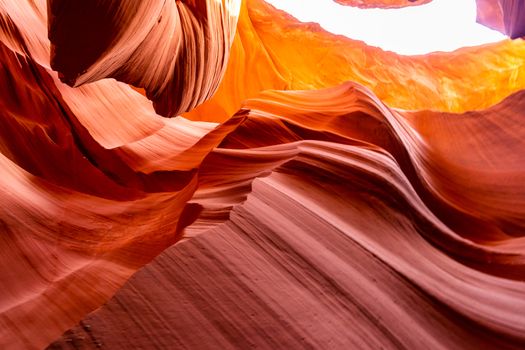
[273,50]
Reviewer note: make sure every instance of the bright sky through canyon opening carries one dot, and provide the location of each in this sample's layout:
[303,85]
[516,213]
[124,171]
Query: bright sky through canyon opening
[441,25]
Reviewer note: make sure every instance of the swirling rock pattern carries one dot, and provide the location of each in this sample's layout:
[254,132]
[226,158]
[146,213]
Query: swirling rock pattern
[307,215]
[176,50]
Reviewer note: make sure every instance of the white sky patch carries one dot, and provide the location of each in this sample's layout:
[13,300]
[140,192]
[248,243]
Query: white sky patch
[441,25]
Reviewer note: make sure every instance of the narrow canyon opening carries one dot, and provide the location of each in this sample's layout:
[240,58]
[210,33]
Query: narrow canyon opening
[440,25]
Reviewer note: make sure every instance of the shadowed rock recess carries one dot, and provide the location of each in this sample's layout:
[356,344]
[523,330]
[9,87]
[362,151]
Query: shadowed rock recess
[214,174]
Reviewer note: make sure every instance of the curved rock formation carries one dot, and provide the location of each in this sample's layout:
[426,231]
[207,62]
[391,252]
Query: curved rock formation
[176,50]
[356,239]
[294,195]
[95,184]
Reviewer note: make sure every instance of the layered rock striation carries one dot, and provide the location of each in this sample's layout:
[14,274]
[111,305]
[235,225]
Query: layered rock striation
[317,193]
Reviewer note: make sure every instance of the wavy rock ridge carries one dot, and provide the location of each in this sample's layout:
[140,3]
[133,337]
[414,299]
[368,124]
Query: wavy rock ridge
[356,200]
[323,216]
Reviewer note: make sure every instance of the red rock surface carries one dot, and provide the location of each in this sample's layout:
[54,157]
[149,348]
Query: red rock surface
[308,218]
[352,241]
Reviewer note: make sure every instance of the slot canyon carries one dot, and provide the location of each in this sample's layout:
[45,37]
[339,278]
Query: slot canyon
[217,174]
